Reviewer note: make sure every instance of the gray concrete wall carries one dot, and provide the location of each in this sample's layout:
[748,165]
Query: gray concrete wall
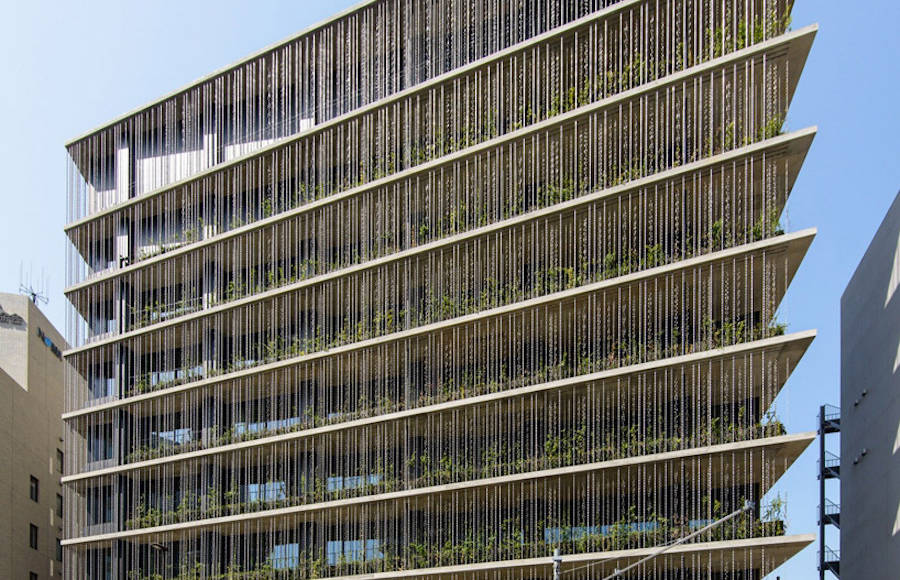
[31,431]
[870,410]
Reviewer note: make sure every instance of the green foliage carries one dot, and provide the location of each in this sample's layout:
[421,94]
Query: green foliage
[563,448]
[514,540]
[768,224]
[772,127]
[716,234]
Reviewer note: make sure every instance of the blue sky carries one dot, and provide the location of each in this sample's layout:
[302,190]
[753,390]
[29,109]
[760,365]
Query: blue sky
[69,66]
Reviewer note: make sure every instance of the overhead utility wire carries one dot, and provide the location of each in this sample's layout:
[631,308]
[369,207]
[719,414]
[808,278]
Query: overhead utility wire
[748,505]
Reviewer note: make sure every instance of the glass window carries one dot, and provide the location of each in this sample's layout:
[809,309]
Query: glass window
[60,462]
[58,550]
[103,386]
[338,483]
[173,437]
[99,565]
[100,443]
[334,551]
[285,556]
[263,426]
[99,505]
[270,491]
[33,536]
[59,506]
[337,552]
[556,535]
[33,490]
[32,576]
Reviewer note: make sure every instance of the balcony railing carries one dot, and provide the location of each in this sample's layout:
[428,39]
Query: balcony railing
[832,466]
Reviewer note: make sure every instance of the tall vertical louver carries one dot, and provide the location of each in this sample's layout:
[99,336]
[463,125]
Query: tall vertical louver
[437,287]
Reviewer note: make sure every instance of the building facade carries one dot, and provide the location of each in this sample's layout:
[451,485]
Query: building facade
[437,287]
[870,409]
[31,441]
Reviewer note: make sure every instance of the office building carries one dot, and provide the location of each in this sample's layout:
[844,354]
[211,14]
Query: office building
[435,288]
[31,441]
[870,410]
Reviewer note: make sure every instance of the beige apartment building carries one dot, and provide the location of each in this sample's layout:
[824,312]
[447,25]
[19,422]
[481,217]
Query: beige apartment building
[31,441]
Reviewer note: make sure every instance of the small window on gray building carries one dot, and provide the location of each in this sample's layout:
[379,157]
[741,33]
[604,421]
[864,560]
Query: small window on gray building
[33,490]
[60,462]
[33,536]
[58,550]
[32,576]
[59,506]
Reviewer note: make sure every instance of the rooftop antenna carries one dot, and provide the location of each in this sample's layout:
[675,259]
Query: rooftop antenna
[28,287]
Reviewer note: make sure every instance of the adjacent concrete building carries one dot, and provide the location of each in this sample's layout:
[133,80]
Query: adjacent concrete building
[31,441]
[870,410]
[437,287]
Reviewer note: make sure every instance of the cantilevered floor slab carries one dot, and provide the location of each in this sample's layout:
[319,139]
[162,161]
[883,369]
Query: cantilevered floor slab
[785,352]
[689,466]
[790,247]
[763,554]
